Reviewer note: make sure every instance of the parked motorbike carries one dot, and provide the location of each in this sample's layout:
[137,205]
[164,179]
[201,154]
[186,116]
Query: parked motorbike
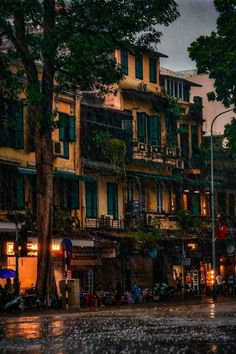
[108,298]
[163,291]
[147,295]
[21,302]
[137,294]
[127,298]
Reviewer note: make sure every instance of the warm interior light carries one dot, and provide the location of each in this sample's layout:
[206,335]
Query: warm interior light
[56,247]
[10,249]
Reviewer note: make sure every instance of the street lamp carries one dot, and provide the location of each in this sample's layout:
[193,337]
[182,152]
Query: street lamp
[214,294]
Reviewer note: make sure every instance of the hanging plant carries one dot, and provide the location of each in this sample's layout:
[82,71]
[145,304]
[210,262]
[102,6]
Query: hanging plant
[173,113]
[116,150]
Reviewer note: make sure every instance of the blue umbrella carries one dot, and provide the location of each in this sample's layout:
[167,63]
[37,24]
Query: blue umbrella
[7,273]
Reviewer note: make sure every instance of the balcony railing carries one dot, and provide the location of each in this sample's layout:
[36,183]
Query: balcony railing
[104,223]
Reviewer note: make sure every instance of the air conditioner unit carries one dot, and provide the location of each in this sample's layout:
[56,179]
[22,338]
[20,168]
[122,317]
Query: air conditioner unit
[170,152]
[142,87]
[142,147]
[180,164]
[155,150]
[57,148]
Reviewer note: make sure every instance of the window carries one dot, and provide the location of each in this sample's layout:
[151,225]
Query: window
[124,61]
[186,93]
[153,70]
[139,67]
[160,198]
[12,191]
[149,129]
[142,129]
[69,194]
[180,90]
[112,200]
[66,131]
[91,199]
[154,130]
[11,124]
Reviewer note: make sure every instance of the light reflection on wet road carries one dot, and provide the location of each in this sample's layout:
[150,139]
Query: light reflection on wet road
[207,328]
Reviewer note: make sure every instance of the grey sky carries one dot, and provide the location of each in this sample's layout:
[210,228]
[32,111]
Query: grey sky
[197,17]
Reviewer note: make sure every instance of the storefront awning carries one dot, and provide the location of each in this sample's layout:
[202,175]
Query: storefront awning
[155,176]
[27,170]
[58,174]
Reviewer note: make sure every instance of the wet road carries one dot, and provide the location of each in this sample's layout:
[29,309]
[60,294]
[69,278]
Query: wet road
[209,328]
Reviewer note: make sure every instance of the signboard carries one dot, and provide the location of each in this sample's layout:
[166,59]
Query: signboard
[108,253]
[185,261]
[85,262]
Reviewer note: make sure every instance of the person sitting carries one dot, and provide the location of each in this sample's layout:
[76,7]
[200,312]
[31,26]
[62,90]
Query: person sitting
[8,288]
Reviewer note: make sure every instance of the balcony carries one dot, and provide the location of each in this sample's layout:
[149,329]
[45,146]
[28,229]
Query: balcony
[105,222]
[156,154]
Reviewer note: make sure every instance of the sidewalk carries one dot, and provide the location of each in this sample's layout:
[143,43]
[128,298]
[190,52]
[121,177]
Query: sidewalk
[178,301]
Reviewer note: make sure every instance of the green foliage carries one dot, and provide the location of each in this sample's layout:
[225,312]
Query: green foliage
[116,149]
[230,135]
[187,220]
[75,40]
[216,54]
[173,112]
[147,236]
[61,219]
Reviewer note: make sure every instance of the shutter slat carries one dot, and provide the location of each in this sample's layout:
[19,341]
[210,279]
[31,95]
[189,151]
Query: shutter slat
[71,128]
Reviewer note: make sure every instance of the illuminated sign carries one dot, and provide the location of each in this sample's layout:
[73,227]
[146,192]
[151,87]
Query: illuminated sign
[32,249]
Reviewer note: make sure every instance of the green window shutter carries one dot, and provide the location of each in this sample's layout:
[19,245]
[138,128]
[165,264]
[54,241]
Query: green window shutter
[112,200]
[128,122]
[124,61]
[19,125]
[20,192]
[139,67]
[74,195]
[141,123]
[66,150]
[63,133]
[91,199]
[71,128]
[195,204]
[62,126]
[154,130]
[153,70]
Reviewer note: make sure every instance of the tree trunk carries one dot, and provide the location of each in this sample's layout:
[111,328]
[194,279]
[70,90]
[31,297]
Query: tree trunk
[44,163]
[44,177]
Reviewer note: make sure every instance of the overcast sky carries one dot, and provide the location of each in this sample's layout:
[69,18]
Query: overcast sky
[197,17]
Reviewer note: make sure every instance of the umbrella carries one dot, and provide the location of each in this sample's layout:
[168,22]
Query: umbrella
[7,273]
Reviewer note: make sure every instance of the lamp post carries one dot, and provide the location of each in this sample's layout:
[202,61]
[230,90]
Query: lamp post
[214,293]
